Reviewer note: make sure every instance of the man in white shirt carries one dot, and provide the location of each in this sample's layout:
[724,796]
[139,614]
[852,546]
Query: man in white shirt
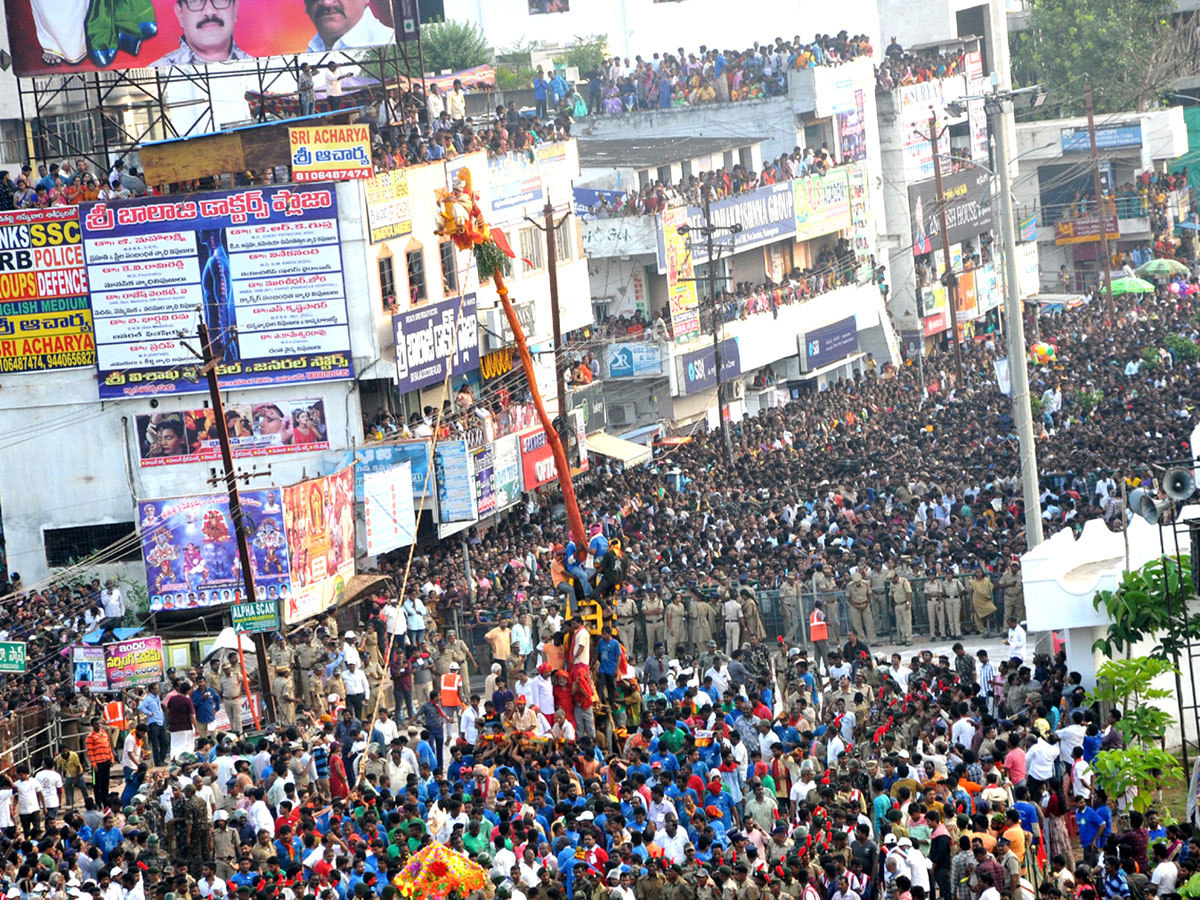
[1071,737]
[52,789]
[962,732]
[29,803]
[1039,759]
[1016,640]
[1165,875]
[111,601]
[210,886]
[343,24]
[260,817]
[358,689]
[672,839]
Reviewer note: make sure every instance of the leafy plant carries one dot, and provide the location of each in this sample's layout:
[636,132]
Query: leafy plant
[1150,358]
[1190,889]
[1151,603]
[1182,348]
[1141,768]
[1088,400]
[1129,684]
[514,77]
[453,45]
[1036,405]
[586,54]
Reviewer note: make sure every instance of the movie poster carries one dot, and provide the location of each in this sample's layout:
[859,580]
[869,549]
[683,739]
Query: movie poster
[318,518]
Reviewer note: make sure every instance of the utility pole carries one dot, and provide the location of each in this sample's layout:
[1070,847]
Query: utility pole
[239,520]
[950,278]
[555,318]
[1018,363]
[1100,210]
[712,298]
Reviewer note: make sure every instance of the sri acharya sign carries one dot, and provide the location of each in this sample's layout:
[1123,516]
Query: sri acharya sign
[45,317]
[331,152]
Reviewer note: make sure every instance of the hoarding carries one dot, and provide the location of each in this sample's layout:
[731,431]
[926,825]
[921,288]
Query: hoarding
[766,215]
[262,266]
[537,459]
[318,519]
[388,507]
[632,360]
[12,656]
[45,318]
[828,344]
[55,40]
[968,212]
[87,668]
[191,554]
[265,428]
[589,400]
[852,130]
[483,463]
[455,476]
[698,369]
[822,204]
[506,475]
[1086,230]
[681,289]
[257,617]
[389,208]
[1108,137]
[330,152]
[134,662]
[380,457]
[433,338]
[516,182]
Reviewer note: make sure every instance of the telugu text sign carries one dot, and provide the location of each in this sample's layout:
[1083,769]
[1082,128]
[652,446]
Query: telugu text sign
[434,338]
[330,152]
[379,457]
[389,208]
[822,204]
[45,317]
[12,656]
[453,467]
[132,663]
[262,428]
[87,668]
[262,266]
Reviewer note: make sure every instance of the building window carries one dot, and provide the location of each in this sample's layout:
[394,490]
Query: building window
[416,275]
[532,249]
[564,237]
[449,268]
[67,546]
[387,281]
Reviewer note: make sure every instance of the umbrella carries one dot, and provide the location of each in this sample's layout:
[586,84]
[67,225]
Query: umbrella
[1162,268]
[1129,285]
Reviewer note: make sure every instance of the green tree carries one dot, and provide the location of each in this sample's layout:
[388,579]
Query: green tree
[1117,42]
[585,54]
[453,45]
[1150,604]
[1129,684]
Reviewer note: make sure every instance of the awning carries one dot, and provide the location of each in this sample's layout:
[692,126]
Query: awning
[853,357]
[627,452]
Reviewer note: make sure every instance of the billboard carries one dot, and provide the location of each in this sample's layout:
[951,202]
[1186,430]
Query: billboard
[537,459]
[389,208]
[49,40]
[388,507]
[1108,137]
[191,554]
[135,662]
[455,475]
[968,212]
[318,518]
[765,215]
[681,290]
[263,267]
[822,204]
[1086,230]
[507,483]
[264,428]
[828,344]
[330,152]
[633,359]
[45,319]
[698,369]
[87,668]
[483,461]
[380,457]
[434,337]
[852,130]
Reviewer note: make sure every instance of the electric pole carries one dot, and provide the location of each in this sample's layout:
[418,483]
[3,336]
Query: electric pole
[555,318]
[239,519]
[1017,357]
[1100,210]
[716,311]
[950,279]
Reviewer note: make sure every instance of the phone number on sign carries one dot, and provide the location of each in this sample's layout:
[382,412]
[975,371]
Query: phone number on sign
[332,174]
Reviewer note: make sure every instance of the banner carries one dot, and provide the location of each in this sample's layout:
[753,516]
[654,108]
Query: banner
[537,459]
[516,182]
[263,266]
[12,656]
[828,344]
[633,360]
[766,215]
[852,130]
[380,458]
[1108,137]
[1086,230]
[483,463]
[259,616]
[318,518]
[681,290]
[822,204]
[1003,376]
[255,429]
[506,471]
[330,152]
[698,369]
[87,668]
[132,663]
[191,554]
[456,500]
[968,213]
[432,337]
[388,508]
[61,40]
[389,208]
[45,319]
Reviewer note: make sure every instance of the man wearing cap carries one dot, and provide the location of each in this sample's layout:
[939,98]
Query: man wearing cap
[231,697]
[901,593]
[283,688]
[653,613]
[626,618]
[358,689]
[676,626]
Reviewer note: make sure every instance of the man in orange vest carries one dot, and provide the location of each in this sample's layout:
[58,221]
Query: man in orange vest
[451,696]
[818,633]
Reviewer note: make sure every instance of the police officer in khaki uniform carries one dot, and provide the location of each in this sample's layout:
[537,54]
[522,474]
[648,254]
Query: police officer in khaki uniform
[307,656]
[626,617]
[1014,592]
[285,695]
[676,622]
[231,697]
[281,654]
[654,615]
[952,590]
[878,581]
[935,605]
[858,595]
[901,595]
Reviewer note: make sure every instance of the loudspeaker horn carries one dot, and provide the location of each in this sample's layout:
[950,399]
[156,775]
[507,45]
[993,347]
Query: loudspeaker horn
[1179,484]
[1153,509]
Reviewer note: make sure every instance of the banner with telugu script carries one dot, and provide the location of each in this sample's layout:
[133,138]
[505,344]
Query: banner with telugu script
[263,266]
[330,152]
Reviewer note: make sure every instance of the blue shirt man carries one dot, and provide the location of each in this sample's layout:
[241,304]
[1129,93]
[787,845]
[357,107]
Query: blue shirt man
[608,651]
[108,838]
[151,707]
[206,701]
[1090,823]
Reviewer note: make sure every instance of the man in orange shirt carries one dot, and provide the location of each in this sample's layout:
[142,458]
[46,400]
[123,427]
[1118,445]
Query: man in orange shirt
[100,755]
[1015,835]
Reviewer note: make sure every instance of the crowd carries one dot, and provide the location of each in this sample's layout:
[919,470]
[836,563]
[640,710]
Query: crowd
[67,184]
[900,68]
[670,80]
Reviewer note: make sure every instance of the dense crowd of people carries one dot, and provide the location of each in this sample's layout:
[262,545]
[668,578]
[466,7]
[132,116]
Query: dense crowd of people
[900,68]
